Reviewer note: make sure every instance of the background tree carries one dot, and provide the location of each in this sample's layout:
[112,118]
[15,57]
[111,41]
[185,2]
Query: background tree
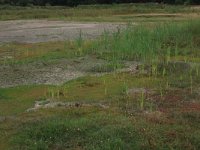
[78,2]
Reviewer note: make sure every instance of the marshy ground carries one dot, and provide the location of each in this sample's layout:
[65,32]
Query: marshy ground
[130,84]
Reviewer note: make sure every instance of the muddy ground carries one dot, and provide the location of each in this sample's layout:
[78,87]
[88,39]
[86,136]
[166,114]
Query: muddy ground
[33,31]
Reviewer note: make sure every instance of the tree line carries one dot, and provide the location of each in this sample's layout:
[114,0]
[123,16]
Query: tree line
[85,2]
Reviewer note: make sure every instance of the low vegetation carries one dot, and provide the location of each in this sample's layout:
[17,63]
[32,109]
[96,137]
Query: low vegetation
[81,2]
[154,105]
[101,13]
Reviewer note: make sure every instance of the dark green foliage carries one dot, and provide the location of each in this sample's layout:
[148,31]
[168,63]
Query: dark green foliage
[79,2]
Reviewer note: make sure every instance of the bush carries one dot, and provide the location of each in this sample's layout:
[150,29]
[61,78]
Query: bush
[179,2]
[79,2]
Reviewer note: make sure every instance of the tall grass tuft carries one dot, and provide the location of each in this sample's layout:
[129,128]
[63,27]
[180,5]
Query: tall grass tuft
[149,44]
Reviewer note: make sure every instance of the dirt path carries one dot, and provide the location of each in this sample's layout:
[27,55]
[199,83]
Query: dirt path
[32,31]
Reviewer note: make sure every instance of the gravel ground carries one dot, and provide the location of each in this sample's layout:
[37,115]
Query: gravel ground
[33,31]
[54,72]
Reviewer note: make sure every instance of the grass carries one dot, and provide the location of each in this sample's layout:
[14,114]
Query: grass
[25,53]
[85,132]
[171,41]
[156,108]
[119,13]
[75,90]
[162,41]
[123,125]
[11,99]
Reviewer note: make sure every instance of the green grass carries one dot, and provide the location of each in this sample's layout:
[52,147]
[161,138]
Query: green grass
[120,126]
[165,117]
[75,90]
[159,42]
[119,13]
[16,100]
[84,132]
[27,53]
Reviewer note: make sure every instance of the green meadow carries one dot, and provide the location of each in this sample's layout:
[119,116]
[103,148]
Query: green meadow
[155,105]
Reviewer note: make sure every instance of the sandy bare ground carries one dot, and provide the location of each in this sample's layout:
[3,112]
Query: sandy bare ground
[32,31]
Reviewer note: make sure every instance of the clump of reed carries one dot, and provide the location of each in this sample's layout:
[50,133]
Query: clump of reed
[149,44]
